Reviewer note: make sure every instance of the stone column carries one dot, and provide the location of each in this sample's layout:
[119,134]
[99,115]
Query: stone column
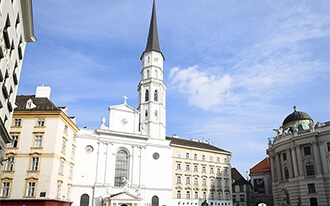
[278,167]
[299,161]
[289,158]
[317,157]
[323,150]
[294,161]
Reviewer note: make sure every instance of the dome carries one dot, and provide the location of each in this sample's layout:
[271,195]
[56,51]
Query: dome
[296,116]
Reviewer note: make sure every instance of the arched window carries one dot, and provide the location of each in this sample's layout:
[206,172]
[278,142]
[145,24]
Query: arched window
[146,98]
[84,200]
[146,113]
[178,194]
[219,195]
[156,96]
[286,173]
[196,194]
[212,196]
[148,73]
[156,74]
[155,201]
[121,170]
[309,168]
[178,179]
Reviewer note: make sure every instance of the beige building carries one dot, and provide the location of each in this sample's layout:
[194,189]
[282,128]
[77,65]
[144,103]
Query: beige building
[201,172]
[40,158]
[300,161]
[16,28]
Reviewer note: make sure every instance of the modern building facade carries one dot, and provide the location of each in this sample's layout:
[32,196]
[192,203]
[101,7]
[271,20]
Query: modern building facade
[300,161]
[262,183]
[242,189]
[16,28]
[201,173]
[40,158]
[127,161]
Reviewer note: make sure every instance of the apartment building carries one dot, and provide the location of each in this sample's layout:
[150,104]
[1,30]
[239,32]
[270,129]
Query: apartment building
[201,173]
[16,28]
[39,161]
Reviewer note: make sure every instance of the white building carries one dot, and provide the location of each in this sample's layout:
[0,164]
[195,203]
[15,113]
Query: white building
[300,161]
[128,162]
[16,28]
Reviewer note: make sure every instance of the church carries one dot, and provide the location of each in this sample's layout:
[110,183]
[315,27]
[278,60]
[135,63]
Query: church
[128,161]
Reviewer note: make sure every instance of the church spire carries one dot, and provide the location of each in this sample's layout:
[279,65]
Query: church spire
[153,42]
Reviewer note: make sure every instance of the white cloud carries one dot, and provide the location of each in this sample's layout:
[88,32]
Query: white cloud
[202,90]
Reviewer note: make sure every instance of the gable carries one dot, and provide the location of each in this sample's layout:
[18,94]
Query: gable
[124,196]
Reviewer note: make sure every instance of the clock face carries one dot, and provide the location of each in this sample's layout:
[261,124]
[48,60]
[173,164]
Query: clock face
[124,121]
[155,156]
[156,59]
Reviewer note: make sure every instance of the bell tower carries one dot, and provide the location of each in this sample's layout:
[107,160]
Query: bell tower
[152,90]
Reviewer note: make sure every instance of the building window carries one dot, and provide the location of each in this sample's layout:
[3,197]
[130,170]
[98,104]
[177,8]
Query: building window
[284,156]
[187,167]
[68,195]
[61,168]
[73,151]
[178,194]
[286,173]
[311,188]
[313,201]
[226,172]
[30,188]
[227,195]
[178,154]
[121,170]
[14,141]
[37,141]
[196,181]
[219,182]
[146,113]
[212,182]
[218,159]
[212,196]
[187,155]
[63,146]
[195,156]
[84,200]
[211,170]
[156,96]
[241,198]
[34,164]
[5,189]
[204,181]
[219,195]
[41,122]
[178,166]
[328,145]
[187,180]
[10,163]
[309,168]
[155,201]
[17,122]
[146,98]
[188,195]
[66,129]
[178,180]
[307,150]
[203,169]
[226,182]
[218,171]
[195,168]
[71,171]
[196,195]
[204,195]
[59,188]
[203,157]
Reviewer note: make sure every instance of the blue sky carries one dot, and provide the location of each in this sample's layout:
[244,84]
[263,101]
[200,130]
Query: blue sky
[233,69]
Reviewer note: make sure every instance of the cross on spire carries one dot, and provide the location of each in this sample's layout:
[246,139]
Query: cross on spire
[125,99]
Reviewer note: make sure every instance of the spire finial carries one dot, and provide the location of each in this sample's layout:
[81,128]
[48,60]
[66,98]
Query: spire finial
[294,107]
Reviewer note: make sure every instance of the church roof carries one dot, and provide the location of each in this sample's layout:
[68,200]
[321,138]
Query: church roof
[41,103]
[153,42]
[262,166]
[195,144]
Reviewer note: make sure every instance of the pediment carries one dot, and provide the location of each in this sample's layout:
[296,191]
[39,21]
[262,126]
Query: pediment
[124,108]
[124,196]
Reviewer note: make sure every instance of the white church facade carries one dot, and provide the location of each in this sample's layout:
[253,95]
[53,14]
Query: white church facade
[127,161]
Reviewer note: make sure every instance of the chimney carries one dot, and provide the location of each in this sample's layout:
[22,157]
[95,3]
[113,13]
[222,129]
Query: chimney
[43,91]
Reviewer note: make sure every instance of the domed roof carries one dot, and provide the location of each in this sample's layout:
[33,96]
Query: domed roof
[295,116]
